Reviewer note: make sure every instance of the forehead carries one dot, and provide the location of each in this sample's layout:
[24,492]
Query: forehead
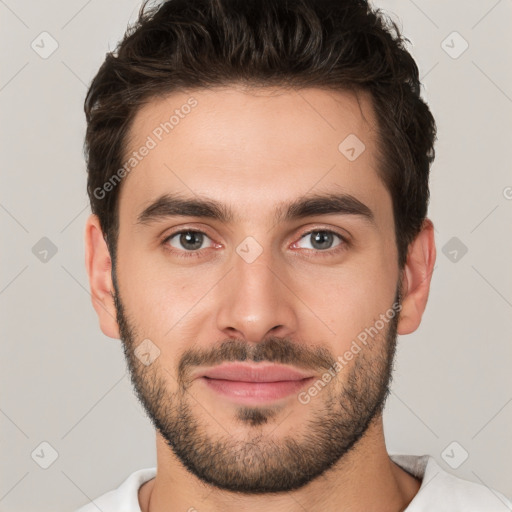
[253,148]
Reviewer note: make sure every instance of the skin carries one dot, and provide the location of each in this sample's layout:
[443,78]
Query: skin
[252,150]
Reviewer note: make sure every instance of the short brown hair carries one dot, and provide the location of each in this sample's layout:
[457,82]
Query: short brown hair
[333,44]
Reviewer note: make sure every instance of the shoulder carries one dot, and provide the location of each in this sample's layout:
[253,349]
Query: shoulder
[441,491]
[123,499]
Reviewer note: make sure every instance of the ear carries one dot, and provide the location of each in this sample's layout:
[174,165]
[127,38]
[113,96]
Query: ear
[416,277]
[99,268]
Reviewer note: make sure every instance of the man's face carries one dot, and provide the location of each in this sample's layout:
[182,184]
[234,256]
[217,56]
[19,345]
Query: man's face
[297,290]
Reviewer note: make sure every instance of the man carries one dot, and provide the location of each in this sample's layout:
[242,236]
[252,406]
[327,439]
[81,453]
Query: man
[258,176]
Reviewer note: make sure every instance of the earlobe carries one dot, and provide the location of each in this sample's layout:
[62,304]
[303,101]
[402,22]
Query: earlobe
[99,267]
[417,275]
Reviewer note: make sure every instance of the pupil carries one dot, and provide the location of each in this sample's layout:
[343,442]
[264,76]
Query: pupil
[186,239]
[321,239]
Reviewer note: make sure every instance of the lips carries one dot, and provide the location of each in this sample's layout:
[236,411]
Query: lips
[243,372]
[247,384]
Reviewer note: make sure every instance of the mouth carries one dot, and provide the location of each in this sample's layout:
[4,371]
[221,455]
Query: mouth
[244,383]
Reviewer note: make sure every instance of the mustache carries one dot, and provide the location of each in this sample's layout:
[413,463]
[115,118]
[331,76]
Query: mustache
[271,350]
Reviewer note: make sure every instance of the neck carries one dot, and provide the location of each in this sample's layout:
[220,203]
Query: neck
[364,479]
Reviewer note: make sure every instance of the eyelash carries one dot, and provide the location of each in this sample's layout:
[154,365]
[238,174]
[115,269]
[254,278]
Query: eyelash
[193,254]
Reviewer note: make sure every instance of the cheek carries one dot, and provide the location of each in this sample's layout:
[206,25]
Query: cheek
[161,298]
[164,299]
[350,298]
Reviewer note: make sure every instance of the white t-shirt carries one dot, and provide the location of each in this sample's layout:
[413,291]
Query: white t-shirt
[439,492]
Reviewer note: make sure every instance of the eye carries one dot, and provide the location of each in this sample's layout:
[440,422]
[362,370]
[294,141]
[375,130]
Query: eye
[322,240]
[187,240]
[190,242]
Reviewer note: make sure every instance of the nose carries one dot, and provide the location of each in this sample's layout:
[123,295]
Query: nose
[256,300]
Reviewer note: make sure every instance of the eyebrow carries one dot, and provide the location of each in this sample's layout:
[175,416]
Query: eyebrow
[173,205]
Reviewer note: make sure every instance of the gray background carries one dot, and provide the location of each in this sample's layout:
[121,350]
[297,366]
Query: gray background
[64,383]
